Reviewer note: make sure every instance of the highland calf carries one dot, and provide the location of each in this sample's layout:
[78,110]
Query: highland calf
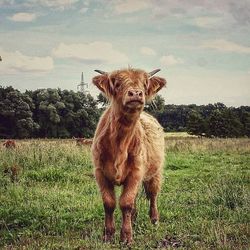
[128,146]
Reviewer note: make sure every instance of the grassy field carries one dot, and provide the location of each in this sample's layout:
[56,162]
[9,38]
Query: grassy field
[178,135]
[49,199]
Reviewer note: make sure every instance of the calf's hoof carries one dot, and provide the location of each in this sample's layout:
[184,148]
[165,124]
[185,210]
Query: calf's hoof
[108,234]
[155,221]
[154,217]
[126,237]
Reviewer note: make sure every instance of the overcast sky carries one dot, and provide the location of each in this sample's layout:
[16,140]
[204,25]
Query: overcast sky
[202,47]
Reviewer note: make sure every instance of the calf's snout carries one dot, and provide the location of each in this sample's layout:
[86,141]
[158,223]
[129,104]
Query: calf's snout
[135,95]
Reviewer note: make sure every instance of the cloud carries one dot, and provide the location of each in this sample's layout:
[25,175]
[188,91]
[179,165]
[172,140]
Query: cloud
[225,46]
[23,17]
[202,62]
[13,62]
[170,60]
[238,10]
[147,51]
[83,10]
[207,21]
[55,4]
[130,6]
[204,86]
[62,4]
[4,3]
[95,52]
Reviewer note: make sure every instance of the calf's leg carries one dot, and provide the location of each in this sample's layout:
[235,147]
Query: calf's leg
[109,202]
[152,188]
[134,212]
[127,205]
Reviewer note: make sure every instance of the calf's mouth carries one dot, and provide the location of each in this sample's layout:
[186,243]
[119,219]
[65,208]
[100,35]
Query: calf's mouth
[134,104]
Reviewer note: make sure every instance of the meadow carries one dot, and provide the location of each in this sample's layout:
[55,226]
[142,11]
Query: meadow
[49,199]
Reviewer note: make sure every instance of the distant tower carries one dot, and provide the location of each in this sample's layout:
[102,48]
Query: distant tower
[83,86]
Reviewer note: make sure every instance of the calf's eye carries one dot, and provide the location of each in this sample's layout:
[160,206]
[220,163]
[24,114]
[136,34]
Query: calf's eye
[117,85]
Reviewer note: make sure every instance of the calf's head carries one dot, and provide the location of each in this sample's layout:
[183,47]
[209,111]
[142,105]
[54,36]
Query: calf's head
[129,89]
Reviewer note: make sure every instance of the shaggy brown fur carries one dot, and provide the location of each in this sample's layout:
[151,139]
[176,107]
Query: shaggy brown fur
[128,146]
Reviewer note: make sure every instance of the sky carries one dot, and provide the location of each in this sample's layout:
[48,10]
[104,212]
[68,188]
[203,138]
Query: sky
[201,46]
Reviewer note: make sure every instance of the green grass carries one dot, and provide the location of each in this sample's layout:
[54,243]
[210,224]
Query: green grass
[53,203]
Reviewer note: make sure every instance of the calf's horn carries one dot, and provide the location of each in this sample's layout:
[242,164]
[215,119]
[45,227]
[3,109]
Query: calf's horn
[153,72]
[100,72]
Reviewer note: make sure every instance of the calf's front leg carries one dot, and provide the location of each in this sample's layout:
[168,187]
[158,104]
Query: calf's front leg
[109,202]
[127,203]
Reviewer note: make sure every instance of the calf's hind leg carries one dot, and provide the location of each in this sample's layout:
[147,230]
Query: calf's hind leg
[134,212]
[152,188]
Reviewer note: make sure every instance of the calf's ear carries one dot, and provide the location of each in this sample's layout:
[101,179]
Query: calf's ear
[103,83]
[155,83]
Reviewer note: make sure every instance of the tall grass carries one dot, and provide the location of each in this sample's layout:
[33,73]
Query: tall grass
[53,202]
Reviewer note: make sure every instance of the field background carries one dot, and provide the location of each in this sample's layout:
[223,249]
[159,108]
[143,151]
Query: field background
[49,199]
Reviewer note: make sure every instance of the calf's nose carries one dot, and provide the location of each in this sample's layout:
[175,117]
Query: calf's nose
[135,93]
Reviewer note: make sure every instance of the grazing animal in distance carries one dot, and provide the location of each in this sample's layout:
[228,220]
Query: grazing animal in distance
[11,144]
[128,146]
[13,171]
[83,141]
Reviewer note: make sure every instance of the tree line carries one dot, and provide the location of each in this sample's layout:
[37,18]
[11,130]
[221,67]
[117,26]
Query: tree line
[51,113]
[212,120]
[56,113]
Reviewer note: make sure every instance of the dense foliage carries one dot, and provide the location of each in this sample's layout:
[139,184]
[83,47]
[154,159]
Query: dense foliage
[212,120]
[51,113]
[56,113]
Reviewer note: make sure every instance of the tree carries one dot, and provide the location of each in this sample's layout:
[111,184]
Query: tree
[224,123]
[102,100]
[46,112]
[65,113]
[16,117]
[244,117]
[196,124]
[156,106]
